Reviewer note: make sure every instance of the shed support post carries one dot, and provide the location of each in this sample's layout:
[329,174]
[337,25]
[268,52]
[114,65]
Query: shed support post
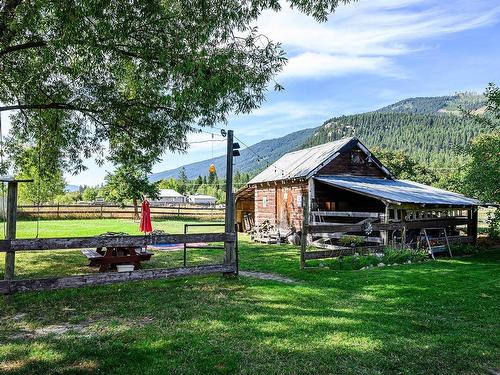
[385,233]
[403,230]
[10,234]
[303,237]
[229,247]
[472,216]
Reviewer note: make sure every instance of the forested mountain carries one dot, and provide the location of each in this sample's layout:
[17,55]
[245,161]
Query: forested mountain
[430,129]
[427,138]
[437,104]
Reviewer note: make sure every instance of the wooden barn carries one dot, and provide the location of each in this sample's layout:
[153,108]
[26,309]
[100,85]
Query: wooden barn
[347,191]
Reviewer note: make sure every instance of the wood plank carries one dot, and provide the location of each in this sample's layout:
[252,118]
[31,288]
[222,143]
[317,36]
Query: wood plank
[53,283]
[10,234]
[346,214]
[334,253]
[34,244]
[436,223]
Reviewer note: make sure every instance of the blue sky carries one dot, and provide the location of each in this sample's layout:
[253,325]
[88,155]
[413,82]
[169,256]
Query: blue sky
[369,54]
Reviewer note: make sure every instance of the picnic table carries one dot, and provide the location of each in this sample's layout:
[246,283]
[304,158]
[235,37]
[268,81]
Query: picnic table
[108,257]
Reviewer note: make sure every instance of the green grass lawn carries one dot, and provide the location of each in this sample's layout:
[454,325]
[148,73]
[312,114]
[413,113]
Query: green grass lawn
[439,317]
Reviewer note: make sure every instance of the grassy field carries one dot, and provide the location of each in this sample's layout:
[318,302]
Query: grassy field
[436,317]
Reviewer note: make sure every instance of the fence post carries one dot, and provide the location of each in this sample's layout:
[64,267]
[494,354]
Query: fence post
[229,247]
[10,256]
[303,237]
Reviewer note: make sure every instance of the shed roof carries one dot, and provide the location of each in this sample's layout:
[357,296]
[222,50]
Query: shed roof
[202,196]
[164,193]
[398,191]
[304,163]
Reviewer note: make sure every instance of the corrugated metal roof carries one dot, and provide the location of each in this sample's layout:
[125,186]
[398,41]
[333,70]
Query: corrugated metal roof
[400,191]
[300,164]
[168,193]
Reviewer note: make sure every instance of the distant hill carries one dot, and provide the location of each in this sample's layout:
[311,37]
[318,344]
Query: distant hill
[430,129]
[436,104]
[248,161]
[71,188]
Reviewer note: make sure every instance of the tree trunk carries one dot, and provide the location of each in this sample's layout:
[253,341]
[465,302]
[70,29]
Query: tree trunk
[136,209]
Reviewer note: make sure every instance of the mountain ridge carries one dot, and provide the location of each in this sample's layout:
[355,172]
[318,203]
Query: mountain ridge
[430,129]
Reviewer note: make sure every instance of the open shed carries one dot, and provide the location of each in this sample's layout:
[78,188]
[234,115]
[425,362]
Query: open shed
[343,183]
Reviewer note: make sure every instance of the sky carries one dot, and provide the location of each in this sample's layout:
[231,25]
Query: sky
[368,54]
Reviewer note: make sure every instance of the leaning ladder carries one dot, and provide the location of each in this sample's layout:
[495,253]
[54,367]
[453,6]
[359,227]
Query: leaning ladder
[438,247]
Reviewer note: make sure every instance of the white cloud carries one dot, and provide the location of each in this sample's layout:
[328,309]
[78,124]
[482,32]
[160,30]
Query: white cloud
[317,65]
[365,36]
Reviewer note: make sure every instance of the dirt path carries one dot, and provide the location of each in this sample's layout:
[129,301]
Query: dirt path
[267,276]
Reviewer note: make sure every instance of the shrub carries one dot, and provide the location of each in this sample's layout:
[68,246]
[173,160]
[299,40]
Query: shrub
[392,255]
[494,223]
[351,241]
[464,249]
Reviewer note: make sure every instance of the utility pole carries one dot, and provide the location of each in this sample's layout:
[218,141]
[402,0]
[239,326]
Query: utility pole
[229,247]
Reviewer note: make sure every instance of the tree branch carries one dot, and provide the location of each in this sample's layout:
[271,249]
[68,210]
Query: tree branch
[20,47]
[54,105]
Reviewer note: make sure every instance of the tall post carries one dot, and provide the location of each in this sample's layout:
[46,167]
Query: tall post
[472,216]
[11,228]
[229,247]
[303,237]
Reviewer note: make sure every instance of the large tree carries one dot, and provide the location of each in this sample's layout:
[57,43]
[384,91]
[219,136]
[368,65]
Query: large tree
[135,75]
[129,183]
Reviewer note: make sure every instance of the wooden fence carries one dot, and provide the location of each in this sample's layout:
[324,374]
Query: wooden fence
[336,251]
[12,285]
[115,211]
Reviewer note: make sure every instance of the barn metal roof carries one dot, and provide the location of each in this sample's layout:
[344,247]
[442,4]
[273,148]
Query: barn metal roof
[398,191]
[300,164]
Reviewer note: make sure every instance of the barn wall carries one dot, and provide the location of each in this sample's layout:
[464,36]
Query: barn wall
[346,164]
[283,209]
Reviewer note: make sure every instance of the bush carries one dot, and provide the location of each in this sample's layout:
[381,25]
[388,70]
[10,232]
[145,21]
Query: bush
[403,255]
[494,224]
[351,241]
[464,249]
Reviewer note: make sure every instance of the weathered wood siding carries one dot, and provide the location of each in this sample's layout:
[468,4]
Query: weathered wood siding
[282,208]
[265,211]
[346,164]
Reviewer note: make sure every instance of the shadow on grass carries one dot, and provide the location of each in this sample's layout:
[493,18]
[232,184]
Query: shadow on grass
[438,317]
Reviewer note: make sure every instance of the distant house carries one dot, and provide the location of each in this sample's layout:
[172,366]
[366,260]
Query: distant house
[168,196]
[345,186]
[201,199]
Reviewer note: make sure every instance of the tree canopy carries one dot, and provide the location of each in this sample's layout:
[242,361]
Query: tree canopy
[136,76]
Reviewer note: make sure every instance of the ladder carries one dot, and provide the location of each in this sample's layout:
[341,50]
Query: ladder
[437,247]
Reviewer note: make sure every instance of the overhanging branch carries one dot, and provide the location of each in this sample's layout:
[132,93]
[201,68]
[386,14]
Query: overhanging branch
[20,47]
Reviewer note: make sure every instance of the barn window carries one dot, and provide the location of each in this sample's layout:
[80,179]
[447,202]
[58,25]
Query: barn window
[264,201]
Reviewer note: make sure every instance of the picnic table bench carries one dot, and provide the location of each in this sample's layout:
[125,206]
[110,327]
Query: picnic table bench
[109,257]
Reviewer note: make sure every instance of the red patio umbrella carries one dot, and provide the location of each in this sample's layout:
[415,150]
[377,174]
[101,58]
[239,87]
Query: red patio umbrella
[145,226]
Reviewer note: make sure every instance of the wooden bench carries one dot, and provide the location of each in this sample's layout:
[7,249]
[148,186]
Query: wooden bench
[93,256]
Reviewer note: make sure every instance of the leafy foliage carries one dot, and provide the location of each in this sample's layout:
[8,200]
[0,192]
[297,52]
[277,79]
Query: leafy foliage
[403,167]
[137,75]
[128,183]
[48,181]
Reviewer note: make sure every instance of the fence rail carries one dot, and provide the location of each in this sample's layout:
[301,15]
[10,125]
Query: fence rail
[115,211]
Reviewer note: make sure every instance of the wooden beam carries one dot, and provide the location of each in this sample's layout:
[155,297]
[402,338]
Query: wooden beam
[437,223]
[345,214]
[334,253]
[35,244]
[10,256]
[472,216]
[303,237]
[230,250]
[52,283]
